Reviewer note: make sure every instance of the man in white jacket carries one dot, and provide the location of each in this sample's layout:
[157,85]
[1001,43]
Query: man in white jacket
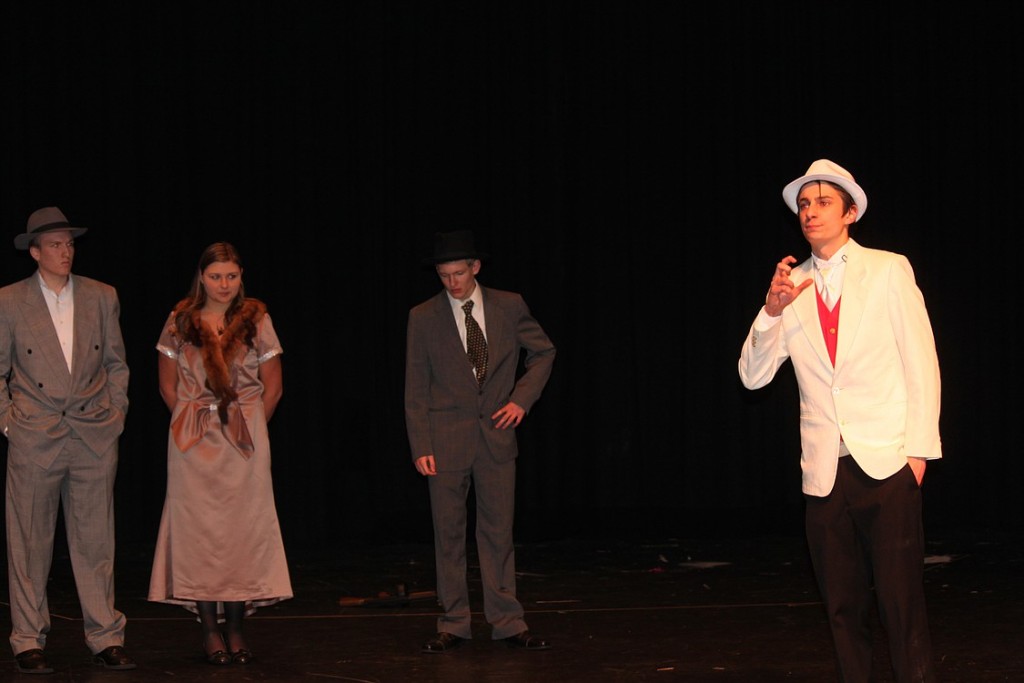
[869,419]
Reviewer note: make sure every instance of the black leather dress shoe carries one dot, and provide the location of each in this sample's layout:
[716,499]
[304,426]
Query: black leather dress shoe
[32,662]
[527,641]
[442,642]
[114,657]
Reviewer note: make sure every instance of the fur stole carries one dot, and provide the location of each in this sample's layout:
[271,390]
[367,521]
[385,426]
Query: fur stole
[219,353]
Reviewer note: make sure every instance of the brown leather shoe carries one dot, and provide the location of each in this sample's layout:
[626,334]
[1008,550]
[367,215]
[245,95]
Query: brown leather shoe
[442,642]
[114,657]
[527,641]
[32,662]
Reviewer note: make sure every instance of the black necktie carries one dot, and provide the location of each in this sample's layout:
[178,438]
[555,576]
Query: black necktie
[476,345]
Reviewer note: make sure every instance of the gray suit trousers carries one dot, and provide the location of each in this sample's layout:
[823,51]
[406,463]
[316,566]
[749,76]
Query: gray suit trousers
[494,487]
[85,485]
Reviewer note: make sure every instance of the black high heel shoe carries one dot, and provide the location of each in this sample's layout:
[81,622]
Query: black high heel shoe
[242,656]
[218,658]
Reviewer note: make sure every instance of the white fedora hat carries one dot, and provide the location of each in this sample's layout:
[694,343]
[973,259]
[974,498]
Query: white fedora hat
[823,169]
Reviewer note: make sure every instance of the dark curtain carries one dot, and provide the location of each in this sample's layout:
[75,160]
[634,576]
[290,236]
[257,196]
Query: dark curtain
[622,162]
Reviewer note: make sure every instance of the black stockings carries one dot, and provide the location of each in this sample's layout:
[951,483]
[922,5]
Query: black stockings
[233,613]
[231,638]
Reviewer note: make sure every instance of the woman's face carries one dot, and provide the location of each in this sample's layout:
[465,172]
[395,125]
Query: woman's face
[221,280]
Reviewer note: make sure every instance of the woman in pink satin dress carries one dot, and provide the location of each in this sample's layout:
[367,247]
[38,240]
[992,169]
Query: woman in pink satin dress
[219,552]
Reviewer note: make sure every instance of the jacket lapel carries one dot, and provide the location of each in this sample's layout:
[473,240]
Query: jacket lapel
[86,305]
[496,335]
[852,310]
[37,315]
[448,329]
[806,309]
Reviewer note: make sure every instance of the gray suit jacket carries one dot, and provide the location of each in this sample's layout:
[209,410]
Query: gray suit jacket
[446,413]
[41,403]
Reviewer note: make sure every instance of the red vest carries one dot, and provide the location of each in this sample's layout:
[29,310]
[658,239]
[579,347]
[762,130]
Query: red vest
[829,324]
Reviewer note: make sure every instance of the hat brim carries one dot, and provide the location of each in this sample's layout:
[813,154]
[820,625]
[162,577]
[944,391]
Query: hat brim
[792,191]
[24,240]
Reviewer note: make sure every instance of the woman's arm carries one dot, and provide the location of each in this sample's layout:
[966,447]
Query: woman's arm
[167,369]
[273,385]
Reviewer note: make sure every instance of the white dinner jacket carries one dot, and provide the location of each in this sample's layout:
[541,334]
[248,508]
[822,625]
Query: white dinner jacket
[883,395]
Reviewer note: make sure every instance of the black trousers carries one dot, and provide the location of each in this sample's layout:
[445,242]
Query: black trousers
[868,534]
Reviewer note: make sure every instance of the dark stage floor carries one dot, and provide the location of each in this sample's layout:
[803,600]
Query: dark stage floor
[659,610]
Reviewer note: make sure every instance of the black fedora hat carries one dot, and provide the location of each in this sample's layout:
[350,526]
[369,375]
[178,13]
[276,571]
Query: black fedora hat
[45,220]
[453,246]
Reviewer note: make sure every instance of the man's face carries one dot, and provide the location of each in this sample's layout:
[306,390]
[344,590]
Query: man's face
[55,253]
[459,277]
[821,215]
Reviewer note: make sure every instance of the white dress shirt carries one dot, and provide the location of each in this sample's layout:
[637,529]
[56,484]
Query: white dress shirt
[62,312]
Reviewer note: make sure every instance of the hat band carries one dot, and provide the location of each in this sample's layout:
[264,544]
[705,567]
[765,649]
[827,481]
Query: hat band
[51,226]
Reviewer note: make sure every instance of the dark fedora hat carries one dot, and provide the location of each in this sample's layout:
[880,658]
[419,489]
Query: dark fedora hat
[45,220]
[452,246]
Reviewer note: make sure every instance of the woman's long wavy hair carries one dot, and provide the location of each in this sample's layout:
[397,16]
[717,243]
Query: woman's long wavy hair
[186,312]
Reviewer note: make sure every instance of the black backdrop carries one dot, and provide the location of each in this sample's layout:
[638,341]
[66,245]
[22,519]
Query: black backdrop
[621,161]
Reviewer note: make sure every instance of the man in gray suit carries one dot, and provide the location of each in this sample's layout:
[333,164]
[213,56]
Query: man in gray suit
[462,405]
[63,401]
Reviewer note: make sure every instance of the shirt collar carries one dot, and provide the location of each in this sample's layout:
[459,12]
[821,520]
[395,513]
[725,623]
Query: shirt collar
[68,289]
[837,259]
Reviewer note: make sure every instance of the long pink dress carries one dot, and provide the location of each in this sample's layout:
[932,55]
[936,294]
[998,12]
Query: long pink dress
[219,536]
